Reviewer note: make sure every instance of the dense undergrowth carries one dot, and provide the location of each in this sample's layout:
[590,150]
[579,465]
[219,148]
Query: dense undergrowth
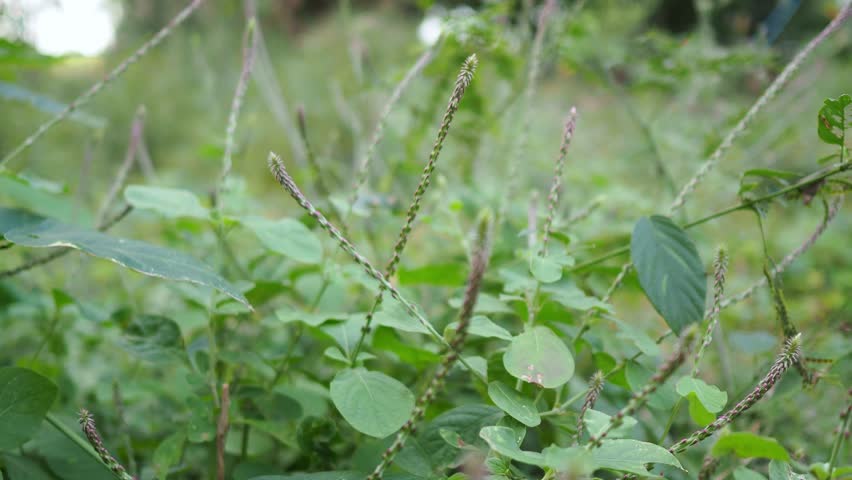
[554,244]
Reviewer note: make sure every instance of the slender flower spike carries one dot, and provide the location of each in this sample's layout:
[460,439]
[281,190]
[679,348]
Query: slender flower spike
[463,80]
[87,423]
[788,357]
[553,196]
[720,269]
[595,387]
[665,370]
[478,263]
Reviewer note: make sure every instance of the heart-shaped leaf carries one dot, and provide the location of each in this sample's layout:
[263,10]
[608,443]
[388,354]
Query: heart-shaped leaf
[372,402]
[670,270]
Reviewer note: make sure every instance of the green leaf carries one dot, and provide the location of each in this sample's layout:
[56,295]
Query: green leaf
[341,475]
[574,298]
[393,315]
[288,315]
[631,456]
[516,405]
[503,441]
[25,398]
[597,421]
[10,91]
[23,468]
[28,195]
[575,461]
[485,303]
[169,202]
[168,454]
[749,445]
[762,181]
[744,473]
[704,400]
[482,326]
[466,421]
[670,271]
[286,236]
[371,402]
[441,274]
[11,218]
[139,256]
[779,470]
[538,356]
[154,338]
[544,269]
[834,118]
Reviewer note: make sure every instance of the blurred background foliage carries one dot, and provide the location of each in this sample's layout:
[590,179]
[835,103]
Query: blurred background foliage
[657,84]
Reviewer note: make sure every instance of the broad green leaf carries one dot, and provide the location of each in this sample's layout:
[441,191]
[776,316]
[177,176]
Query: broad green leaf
[503,441]
[414,459]
[638,337]
[704,400]
[670,271]
[596,422]
[538,356]
[169,202]
[139,256]
[335,354]
[544,269]
[631,456]
[23,468]
[779,470]
[514,403]
[485,303]
[286,236]
[37,200]
[834,118]
[12,218]
[288,315]
[576,461]
[154,338]
[466,421]
[664,398]
[749,445]
[574,298]
[25,398]
[371,402]
[744,473]
[482,326]
[393,315]
[442,274]
[168,454]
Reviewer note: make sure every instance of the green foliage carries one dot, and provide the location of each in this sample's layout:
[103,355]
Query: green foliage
[437,386]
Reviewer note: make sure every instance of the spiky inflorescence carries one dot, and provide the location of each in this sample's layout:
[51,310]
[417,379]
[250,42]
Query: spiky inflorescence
[596,385]
[720,270]
[276,166]
[776,86]
[553,196]
[788,357]
[478,264]
[111,76]
[831,213]
[87,424]
[665,370]
[463,80]
[250,43]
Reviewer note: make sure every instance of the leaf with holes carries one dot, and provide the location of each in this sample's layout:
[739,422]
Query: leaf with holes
[372,402]
[25,398]
[670,271]
[538,356]
[514,403]
[142,257]
[834,118]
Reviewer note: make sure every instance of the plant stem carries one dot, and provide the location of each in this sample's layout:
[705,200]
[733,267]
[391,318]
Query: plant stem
[838,441]
[807,180]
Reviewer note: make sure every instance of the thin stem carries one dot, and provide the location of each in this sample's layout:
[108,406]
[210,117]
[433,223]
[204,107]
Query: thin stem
[136,131]
[222,427]
[97,87]
[553,196]
[838,441]
[776,86]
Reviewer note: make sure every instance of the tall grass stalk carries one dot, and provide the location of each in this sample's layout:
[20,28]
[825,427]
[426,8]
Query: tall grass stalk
[720,269]
[111,76]
[463,80]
